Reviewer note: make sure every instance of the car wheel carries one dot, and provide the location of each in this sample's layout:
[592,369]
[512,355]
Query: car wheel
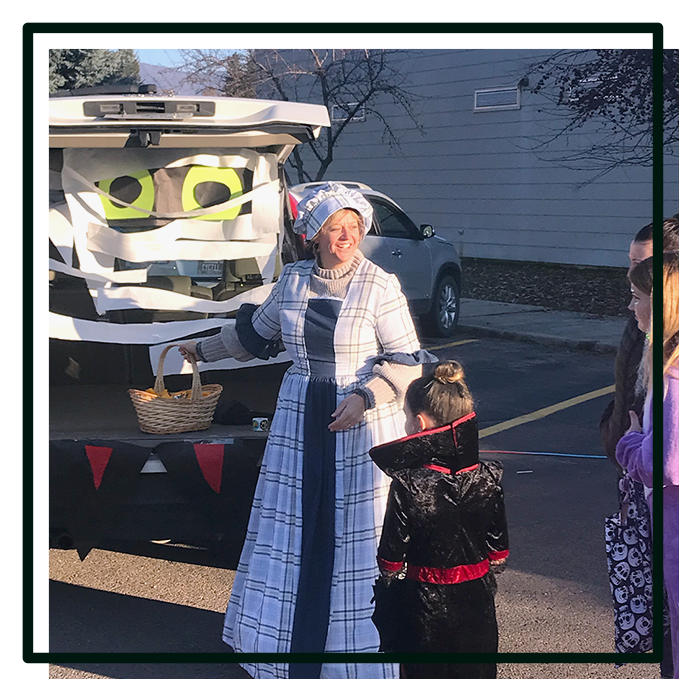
[441,321]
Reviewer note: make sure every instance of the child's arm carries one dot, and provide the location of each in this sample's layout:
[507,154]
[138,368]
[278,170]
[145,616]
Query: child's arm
[393,544]
[497,536]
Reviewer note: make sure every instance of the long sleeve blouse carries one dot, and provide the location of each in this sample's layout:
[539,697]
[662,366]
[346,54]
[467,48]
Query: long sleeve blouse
[389,379]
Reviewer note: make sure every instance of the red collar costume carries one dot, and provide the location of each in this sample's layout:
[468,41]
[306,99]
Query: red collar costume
[445,524]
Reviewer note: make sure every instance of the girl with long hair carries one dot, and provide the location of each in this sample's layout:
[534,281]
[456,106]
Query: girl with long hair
[635,450]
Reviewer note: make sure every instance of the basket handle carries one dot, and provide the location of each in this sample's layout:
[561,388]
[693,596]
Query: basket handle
[160,384]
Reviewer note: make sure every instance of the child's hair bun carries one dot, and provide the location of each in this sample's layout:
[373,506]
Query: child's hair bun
[449,372]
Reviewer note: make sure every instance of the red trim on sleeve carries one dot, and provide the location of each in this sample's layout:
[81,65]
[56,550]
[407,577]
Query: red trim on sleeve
[456,574]
[389,565]
[499,555]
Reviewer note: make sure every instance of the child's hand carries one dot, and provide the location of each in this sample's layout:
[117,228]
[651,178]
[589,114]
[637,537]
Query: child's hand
[498,565]
[635,426]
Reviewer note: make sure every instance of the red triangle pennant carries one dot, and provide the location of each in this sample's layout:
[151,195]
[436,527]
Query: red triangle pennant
[98,457]
[211,462]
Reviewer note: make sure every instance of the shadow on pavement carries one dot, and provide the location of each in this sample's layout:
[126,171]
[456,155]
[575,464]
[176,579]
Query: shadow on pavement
[85,620]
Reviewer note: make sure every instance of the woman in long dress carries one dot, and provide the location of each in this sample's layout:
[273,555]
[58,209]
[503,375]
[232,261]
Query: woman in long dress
[304,582]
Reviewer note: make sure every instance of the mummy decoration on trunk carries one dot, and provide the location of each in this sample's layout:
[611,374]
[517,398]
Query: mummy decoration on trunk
[166,213]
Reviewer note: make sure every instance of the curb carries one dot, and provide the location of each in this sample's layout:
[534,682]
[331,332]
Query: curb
[541,339]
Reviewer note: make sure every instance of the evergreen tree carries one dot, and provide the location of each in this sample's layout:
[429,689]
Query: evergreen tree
[75,68]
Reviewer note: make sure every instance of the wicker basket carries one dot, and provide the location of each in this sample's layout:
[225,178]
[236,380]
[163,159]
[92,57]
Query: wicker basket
[162,415]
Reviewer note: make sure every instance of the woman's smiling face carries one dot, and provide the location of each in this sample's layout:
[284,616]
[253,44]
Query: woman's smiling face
[339,238]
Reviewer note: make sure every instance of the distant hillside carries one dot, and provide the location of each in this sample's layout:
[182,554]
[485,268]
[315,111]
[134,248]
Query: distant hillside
[170,80]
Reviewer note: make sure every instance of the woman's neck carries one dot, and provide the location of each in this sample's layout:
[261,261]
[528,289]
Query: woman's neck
[340,269]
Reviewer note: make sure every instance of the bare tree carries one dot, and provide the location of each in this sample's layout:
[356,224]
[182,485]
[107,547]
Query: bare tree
[610,93]
[348,82]
[219,71]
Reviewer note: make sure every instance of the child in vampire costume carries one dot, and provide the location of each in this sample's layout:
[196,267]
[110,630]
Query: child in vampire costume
[304,582]
[444,530]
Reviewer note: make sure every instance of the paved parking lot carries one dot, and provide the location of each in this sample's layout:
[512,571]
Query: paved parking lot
[553,597]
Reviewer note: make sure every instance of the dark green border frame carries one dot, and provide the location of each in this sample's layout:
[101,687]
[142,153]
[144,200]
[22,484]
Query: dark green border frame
[28,655]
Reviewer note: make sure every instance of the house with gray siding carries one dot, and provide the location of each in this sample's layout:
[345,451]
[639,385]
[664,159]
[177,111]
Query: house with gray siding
[475,170]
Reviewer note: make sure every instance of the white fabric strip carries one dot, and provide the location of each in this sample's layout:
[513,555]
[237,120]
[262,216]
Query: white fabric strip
[148,246]
[155,334]
[92,164]
[120,276]
[61,231]
[113,299]
[68,328]
[176,364]
[205,231]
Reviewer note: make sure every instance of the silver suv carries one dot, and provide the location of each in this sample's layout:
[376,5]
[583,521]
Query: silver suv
[427,266]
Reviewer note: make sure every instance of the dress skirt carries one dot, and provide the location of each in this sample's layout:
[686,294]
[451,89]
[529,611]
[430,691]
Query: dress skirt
[261,611]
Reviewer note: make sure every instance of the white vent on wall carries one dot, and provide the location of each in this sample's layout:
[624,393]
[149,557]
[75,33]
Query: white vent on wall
[340,112]
[493,99]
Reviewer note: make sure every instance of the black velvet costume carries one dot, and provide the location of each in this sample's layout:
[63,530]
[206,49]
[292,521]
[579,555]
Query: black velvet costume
[445,524]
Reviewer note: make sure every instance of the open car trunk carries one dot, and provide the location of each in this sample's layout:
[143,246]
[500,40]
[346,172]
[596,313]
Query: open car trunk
[165,216]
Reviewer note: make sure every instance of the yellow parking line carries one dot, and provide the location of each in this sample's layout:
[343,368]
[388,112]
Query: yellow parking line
[451,345]
[536,415]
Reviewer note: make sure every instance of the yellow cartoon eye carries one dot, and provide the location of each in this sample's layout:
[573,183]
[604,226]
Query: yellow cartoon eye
[205,186]
[136,189]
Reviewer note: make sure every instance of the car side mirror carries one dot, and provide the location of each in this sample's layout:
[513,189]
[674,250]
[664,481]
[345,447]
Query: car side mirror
[427,231]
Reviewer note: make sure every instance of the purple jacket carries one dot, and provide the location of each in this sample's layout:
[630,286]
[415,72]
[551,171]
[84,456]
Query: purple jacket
[634,453]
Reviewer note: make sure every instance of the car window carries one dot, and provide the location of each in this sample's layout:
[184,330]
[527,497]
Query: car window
[392,222]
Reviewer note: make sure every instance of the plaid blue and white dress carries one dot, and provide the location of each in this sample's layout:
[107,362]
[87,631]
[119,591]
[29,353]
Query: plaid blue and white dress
[333,344]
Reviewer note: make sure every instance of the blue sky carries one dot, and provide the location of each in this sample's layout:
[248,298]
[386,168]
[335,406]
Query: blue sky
[159,57]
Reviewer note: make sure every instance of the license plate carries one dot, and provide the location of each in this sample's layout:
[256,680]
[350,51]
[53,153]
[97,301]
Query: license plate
[210,268]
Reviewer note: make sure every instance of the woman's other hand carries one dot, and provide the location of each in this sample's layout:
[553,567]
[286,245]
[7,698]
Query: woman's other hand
[349,412]
[635,425]
[189,351]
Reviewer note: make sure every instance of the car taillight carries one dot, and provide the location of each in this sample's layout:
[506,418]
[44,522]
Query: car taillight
[293,206]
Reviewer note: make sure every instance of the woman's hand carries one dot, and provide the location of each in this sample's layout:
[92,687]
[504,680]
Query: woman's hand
[635,426]
[349,412]
[189,351]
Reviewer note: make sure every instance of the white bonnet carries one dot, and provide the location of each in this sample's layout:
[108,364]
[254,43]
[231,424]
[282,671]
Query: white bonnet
[323,201]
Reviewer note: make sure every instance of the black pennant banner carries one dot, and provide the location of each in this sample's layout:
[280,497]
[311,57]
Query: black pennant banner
[89,483]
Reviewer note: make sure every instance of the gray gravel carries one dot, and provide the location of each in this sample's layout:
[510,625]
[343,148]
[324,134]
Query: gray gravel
[603,291]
